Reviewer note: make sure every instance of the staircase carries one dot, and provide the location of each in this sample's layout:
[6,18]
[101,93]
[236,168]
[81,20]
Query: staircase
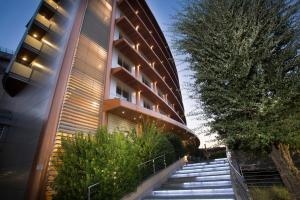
[260,177]
[205,180]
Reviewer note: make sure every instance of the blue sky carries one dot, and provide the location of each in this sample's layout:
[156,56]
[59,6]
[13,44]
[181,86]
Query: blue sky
[16,13]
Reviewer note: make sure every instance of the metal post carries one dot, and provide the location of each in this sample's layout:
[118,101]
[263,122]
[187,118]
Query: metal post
[89,190]
[153,164]
[165,161]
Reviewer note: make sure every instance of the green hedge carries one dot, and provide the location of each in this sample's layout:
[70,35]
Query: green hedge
[109,158]
[273,193]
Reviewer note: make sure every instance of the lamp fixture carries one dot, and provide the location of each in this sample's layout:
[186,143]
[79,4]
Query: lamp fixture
[24,58]
[123,112]
[35,35]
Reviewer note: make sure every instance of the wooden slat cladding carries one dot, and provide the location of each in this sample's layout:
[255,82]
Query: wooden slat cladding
[83,100]
[116,123]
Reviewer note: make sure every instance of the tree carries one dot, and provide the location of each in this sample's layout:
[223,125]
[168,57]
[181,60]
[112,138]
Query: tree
[245,59]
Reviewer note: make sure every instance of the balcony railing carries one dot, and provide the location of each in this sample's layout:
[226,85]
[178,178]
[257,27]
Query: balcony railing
[137,84]
[56,7]
[50,25]
[21,70]
[33,42]
[129,51]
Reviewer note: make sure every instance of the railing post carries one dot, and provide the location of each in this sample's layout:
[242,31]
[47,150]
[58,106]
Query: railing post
[165,161]
[153,165]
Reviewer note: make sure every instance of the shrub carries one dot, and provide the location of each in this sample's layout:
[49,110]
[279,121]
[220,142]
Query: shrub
[273,193]
[110,159]
[177,144]
[151,144]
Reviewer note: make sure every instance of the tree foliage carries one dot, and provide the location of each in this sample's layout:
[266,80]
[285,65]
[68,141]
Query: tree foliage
[245,55]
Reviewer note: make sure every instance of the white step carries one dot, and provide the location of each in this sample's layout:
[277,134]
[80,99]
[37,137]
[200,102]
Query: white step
[185,198]
[199,184]
[194,192]
[211,173]
[212,178]
[204,166]
[208,169]
[207,163]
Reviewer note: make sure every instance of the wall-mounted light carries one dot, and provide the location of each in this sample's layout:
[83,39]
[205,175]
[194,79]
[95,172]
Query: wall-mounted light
[123,112]
[137,27]
[134,118]
[35,35]
[24,58]
[137,12]
[151,47]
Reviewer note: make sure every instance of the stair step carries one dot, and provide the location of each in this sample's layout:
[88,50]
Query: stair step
[208,169]
[205,184]
[227,197]
[205,181]
[205,166]
[194,192]
[207,163]
[211,173]
[200,178]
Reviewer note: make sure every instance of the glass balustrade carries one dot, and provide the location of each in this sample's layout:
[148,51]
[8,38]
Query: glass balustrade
[43,20]
[55,6]
[33,42]
[21,70]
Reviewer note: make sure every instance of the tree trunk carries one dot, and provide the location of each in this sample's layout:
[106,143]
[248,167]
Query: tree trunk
[289,173]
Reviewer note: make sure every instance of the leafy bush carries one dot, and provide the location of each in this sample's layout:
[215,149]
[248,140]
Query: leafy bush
[151,144]
[273,193]
[177,144]
[110,159]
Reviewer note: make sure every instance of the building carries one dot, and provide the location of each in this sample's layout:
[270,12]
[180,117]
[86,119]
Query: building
[82,64]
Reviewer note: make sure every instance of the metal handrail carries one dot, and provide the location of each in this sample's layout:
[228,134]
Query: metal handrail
[239,177]
[153,161]
[89,189]
[6,50]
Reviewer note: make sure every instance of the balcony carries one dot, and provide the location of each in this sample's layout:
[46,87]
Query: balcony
[16,79]
[127,27]
[21,70]
[126,49]
[137,113]
[126,77]
[55,6]
[47,24]
[43,20]
[31,41]
[127,9]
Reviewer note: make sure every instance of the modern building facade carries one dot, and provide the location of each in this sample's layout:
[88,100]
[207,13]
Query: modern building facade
[80,65]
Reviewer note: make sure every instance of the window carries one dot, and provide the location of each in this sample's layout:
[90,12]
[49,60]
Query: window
[160,94]
[123,94]
[124,64]
[146,81]
[120,35]
[147,105]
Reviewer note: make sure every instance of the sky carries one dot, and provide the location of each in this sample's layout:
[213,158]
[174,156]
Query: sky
[15,14]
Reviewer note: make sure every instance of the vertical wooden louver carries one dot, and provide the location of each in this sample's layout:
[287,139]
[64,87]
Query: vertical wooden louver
[82,106]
